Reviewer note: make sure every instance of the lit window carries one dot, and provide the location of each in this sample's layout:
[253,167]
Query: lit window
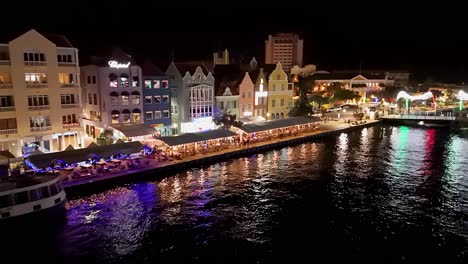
[135,81]
[114,98]
[136,116]
[157,99]
[157,114]
[124,80]
[135,98]
[149,115]
[112,80]
[148,99]
[125,98]
[147,84]
[156,84]
[126,116]
[115,117]
[165,84]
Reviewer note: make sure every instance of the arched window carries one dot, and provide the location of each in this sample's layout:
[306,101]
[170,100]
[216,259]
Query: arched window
[115,117]
[126,116]
[114,98]
[135,98]
[125,96]
[282,115]
[124,82]
[112,80]
[136,115]
[277,115]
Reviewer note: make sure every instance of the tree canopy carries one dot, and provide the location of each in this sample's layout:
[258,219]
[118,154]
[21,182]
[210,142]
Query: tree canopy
[226,120]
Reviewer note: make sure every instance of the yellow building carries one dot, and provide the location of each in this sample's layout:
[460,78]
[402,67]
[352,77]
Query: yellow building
[280,97]
[40,91]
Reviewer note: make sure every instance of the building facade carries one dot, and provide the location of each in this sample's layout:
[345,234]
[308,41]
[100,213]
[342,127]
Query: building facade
[156,99]
[246,96]
[280,97]
[286,48]
[39,94]
[192,90]
[112,86]
[221,57]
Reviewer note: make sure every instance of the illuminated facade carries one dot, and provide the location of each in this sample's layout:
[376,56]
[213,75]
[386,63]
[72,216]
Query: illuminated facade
[40,92]
[246,96]
[286,48]
[280,97]
[112,86]
[192,90]
[358,83]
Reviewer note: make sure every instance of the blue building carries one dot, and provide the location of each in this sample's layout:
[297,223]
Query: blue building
[156,99]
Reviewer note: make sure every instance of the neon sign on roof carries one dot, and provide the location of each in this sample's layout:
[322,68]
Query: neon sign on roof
[115,64]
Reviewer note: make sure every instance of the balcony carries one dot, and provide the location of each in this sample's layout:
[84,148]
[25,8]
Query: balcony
[43,128]
[71,106]
[7,108]
[38,107]
[35,63]
[8,131]
[5,62]
[6,86]
[69,85]
[37,85]
[71,125]
[67,64]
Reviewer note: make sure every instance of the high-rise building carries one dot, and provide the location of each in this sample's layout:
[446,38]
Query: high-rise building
[40,91]
[221,57]
[286,48]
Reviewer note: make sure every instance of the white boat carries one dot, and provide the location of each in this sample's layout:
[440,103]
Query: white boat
[31,196]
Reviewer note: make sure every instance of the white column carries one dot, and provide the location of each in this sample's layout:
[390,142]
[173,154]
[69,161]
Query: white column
[51,144]
[63,142]
[69,140]
[76,139]
[42,145]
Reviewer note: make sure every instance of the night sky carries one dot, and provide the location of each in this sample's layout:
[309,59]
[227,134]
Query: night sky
[428,41]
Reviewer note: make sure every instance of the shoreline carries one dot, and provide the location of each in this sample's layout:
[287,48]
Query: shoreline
[162,169]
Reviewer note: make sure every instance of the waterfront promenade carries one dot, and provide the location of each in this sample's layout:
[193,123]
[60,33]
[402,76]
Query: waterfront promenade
[157,168]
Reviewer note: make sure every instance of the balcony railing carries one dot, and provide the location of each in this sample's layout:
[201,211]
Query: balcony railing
[37,85]
[44,128]
[5,62]
[38,107]
[7,108]
[70,105]
[6,85]
[67,64]
[68,85]
[71,125]
[8,131]
[35,63]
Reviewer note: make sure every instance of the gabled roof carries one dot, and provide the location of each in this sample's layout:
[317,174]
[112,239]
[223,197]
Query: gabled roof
[228,76]
[285,122]
[58,40]
[191,67]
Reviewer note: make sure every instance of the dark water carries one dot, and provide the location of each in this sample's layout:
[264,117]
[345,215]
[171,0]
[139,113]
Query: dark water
[383,194]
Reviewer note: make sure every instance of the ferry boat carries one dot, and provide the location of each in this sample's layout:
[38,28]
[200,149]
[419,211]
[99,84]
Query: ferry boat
[24,197]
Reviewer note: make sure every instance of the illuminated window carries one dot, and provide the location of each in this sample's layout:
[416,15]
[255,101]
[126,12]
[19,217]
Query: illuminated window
[115,117]
[157,99]
[156,84]
[66,78]
[157,114]
[165,84]
[35,78]
[5,77]
[147,84]
[114,98]
[126,116]
[136,115]
[112,80]
[148,99]
[135,97]
[135,81]
[125,98]
[149,115]
[124,80]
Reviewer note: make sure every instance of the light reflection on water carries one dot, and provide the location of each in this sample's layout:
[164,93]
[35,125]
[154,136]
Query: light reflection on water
[392,192]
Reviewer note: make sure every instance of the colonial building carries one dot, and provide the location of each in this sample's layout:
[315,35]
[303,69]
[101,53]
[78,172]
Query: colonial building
[40,91]
[113,88]
[360,83]
[286,48]
[192,90]
[227,81]
[280,97]
[156,99]
[261,92]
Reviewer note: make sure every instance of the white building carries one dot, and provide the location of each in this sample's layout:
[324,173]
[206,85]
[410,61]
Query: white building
[113,90]
[192,88]
[40,91]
